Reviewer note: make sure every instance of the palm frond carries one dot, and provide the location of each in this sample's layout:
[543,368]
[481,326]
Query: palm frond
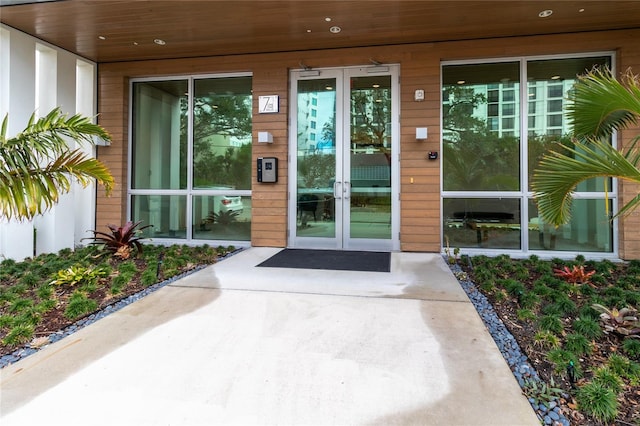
[37,165]
[49,134]
[600,104]
[559,173]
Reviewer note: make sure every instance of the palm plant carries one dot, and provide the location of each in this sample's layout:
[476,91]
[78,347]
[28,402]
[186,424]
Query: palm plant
[600,105]
[37,165]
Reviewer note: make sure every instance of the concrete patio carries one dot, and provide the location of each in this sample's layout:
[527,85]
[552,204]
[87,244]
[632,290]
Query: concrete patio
[240,344]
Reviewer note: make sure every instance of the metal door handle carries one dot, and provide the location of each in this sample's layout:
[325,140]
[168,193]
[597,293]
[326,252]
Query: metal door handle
[346,189]
[336,194]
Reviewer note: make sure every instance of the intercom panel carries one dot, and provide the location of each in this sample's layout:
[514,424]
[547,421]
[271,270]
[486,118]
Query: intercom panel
[267,169]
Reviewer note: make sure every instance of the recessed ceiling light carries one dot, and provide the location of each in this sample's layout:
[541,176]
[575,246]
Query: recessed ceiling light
[329,87]
[555,77]
[335,29]
[135,43]
[461,81]
[545,13]
[327,19]
[375,86]
[581,10]
[159,42]
[101,37]
[308,31]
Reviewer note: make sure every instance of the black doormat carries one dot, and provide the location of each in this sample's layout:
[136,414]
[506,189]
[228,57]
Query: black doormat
[332,260]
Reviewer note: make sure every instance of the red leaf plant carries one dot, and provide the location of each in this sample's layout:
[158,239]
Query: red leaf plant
[575,275]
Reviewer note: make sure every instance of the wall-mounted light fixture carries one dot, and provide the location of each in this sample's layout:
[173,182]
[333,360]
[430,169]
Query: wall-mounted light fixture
[265,137]
[421,133]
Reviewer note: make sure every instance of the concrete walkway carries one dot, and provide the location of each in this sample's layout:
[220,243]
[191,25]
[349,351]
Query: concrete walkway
[238,344]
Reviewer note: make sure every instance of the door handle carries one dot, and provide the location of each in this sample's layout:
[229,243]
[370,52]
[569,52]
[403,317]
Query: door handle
[346,189]
[336,194]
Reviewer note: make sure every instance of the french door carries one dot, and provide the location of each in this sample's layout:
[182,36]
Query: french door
[344,159]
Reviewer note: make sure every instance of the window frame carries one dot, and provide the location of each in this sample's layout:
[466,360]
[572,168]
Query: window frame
[524,194]
[189,192]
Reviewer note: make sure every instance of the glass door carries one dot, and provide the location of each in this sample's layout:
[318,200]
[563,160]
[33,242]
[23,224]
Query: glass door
[344,159]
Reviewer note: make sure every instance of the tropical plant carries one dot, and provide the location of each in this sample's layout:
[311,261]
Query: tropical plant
[600,105]
[574,275]
[77,274]
[37,166]
[622,321]
[122,240]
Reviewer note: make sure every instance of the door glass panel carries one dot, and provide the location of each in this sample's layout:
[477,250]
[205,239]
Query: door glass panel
[316,158]
[370,157]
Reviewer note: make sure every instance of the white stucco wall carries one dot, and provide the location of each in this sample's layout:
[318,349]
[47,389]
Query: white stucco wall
[27,88]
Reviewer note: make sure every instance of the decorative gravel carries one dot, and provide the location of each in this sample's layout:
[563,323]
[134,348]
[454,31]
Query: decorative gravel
[24,352]
[518,362]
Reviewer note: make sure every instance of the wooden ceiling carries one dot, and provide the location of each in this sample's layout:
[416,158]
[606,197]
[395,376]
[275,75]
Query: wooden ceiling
[117,30]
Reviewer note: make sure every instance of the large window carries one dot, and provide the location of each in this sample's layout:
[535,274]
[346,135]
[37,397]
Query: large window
[191,157]
[490,153]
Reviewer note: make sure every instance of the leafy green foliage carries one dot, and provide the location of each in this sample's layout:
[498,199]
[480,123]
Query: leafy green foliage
[578,344]
[541,392]
[37,163]
[79,305]
[77,275]
[18,335]
[599,105]
[551,323]
[598,401]
[606,377]
[587,326]
[631,347]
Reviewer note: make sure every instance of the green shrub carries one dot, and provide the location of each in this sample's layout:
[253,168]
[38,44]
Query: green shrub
[587,311]
[45,291]
[541,289]
[46,305]
[79,305]
[578,344]
[127,267]
[566,306]
[631,347]
[550,323]
[513,287]
[118,283]
[624,367]
[19,305]
[529,300]
[30,279]
[597,401]
[526,315]
[149,276]
[6,321]
[546,340]
[562,358]
[607,378]
[19,335]
[587,326]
